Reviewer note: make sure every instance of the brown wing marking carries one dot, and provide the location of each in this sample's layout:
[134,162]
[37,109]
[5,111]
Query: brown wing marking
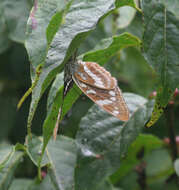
[111,101]
[94,75]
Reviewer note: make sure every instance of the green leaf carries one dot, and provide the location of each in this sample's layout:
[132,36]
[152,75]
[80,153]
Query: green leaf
[161,47]
[130,181]
[158,169]
[13,19]
[103,140]
[6,151]
[16,14]
[51,119]
[37,53]
[20,184]
[124,3]
[159,165]
[4,41]
[57,84]
[65,42]
[126,15]
[56,21]
[110,46]
[135,70]
[176,166]
[38,22]
[62,156]
[7,172]
[143,142]
[172,6]
[34,150]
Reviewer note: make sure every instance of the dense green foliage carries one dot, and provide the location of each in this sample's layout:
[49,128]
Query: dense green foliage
[138,43]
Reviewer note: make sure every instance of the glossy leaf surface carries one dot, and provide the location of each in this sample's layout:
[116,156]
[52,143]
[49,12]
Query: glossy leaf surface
[103,140]
[161,47]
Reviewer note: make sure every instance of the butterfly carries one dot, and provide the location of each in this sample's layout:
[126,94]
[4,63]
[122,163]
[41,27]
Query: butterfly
[98,84]
[101,88]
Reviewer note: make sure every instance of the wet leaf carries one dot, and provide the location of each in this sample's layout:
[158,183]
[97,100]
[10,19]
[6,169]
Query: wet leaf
[161,47]
[7,171]
[20,184]
[16,14]
[62,156]
[103,140]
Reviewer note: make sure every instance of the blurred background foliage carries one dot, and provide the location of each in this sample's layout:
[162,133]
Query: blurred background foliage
[128,66]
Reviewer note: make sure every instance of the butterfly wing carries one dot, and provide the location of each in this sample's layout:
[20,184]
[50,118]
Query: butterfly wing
[92,74]
[111,100]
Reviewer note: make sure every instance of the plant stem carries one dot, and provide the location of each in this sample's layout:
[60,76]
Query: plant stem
[140,169]
[39,174]
[169,113]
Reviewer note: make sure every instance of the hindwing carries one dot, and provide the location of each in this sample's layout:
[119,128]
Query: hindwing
[110,100]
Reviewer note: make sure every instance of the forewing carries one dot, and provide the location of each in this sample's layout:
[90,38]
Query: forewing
[111,101]
[94,75]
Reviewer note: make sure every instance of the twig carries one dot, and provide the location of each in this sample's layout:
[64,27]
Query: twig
[169,114]
[141,170]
